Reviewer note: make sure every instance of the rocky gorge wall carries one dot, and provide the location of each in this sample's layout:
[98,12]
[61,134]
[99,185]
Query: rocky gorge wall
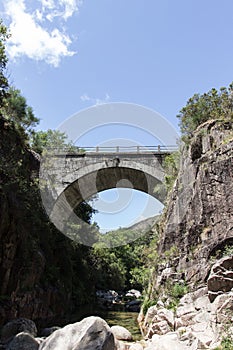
[36,272]
[198,221]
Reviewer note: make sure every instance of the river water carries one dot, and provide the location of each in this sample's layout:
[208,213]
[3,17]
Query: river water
[112,317]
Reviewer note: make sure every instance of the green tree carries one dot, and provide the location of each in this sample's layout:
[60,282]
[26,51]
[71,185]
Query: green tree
[201,108]
[110,270]
[171,167]
[4,36]
[15,108]
[44,140]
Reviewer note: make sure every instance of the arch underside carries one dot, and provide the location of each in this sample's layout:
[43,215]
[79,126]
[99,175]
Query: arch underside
[108,178]
[103,179]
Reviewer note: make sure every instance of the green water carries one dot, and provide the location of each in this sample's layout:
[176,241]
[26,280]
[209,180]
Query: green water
[125,319]
[112,317]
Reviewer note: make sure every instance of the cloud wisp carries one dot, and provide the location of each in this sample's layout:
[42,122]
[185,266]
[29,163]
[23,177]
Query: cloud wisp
[30,34]
[95,101]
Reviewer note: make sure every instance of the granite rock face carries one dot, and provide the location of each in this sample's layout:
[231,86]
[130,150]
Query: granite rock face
[36,271]
[89,334]
[220,280]
[196,232]
[195,324]
[199,216]
[25,255]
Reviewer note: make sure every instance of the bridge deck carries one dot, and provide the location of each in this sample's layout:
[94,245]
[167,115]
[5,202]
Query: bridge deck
[117,150]
[129,149]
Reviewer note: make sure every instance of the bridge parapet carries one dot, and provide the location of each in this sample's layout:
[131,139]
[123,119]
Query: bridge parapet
[129,149]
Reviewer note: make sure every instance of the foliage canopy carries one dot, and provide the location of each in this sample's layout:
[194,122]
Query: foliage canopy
[4,35]
[201,108]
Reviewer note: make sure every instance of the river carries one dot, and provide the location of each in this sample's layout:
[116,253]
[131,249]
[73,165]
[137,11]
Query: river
[112,317]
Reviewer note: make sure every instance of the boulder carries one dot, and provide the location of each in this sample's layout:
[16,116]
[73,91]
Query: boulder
[121,333]
[158,320]
[158,327]
[221,277]
[119,345]
[136,346]
[23,341]
[202,302]
[46,332]
[169,341]
[166,315]
[151,312]
[197,340]
[133,306]
[222,307]
[16,326]
[92,333]
[133,293]
[186,309]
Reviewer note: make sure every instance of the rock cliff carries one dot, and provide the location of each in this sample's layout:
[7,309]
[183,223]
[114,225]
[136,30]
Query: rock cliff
[198,221]
[195,252]
[36,270]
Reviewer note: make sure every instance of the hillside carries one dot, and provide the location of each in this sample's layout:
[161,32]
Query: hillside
[144,225]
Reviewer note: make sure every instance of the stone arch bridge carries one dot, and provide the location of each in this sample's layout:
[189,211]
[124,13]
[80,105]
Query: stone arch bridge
[69,178]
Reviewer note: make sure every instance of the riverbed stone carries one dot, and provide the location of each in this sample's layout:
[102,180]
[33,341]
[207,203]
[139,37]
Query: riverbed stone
[89,334]
[46,332]
[121,333]
[136,346]
[23,341]
[168,341]
[16,326]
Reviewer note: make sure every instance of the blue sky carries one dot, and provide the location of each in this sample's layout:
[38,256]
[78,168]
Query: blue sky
[67,55]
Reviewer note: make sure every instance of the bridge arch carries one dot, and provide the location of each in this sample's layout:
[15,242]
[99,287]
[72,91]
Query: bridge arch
[77,178]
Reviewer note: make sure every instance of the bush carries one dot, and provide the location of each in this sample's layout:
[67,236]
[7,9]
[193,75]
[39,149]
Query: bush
[201,108]
[178,290]
[147,304]
[226,344]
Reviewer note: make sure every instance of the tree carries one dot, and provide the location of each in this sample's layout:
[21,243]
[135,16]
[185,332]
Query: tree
[201,108]
[15,108]
[4,36]
[43,140]
[110,269]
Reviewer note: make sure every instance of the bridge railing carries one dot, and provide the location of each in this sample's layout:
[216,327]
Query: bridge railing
[129,149]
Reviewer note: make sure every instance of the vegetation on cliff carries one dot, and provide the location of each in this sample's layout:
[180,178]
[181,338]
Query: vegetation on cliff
[213,105]
[4,35]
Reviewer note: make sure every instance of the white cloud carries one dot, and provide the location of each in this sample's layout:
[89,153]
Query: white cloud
[60,8]
[32,39]
[48,4]
[104,100]
[38,15]
[85,98]
[96,101]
